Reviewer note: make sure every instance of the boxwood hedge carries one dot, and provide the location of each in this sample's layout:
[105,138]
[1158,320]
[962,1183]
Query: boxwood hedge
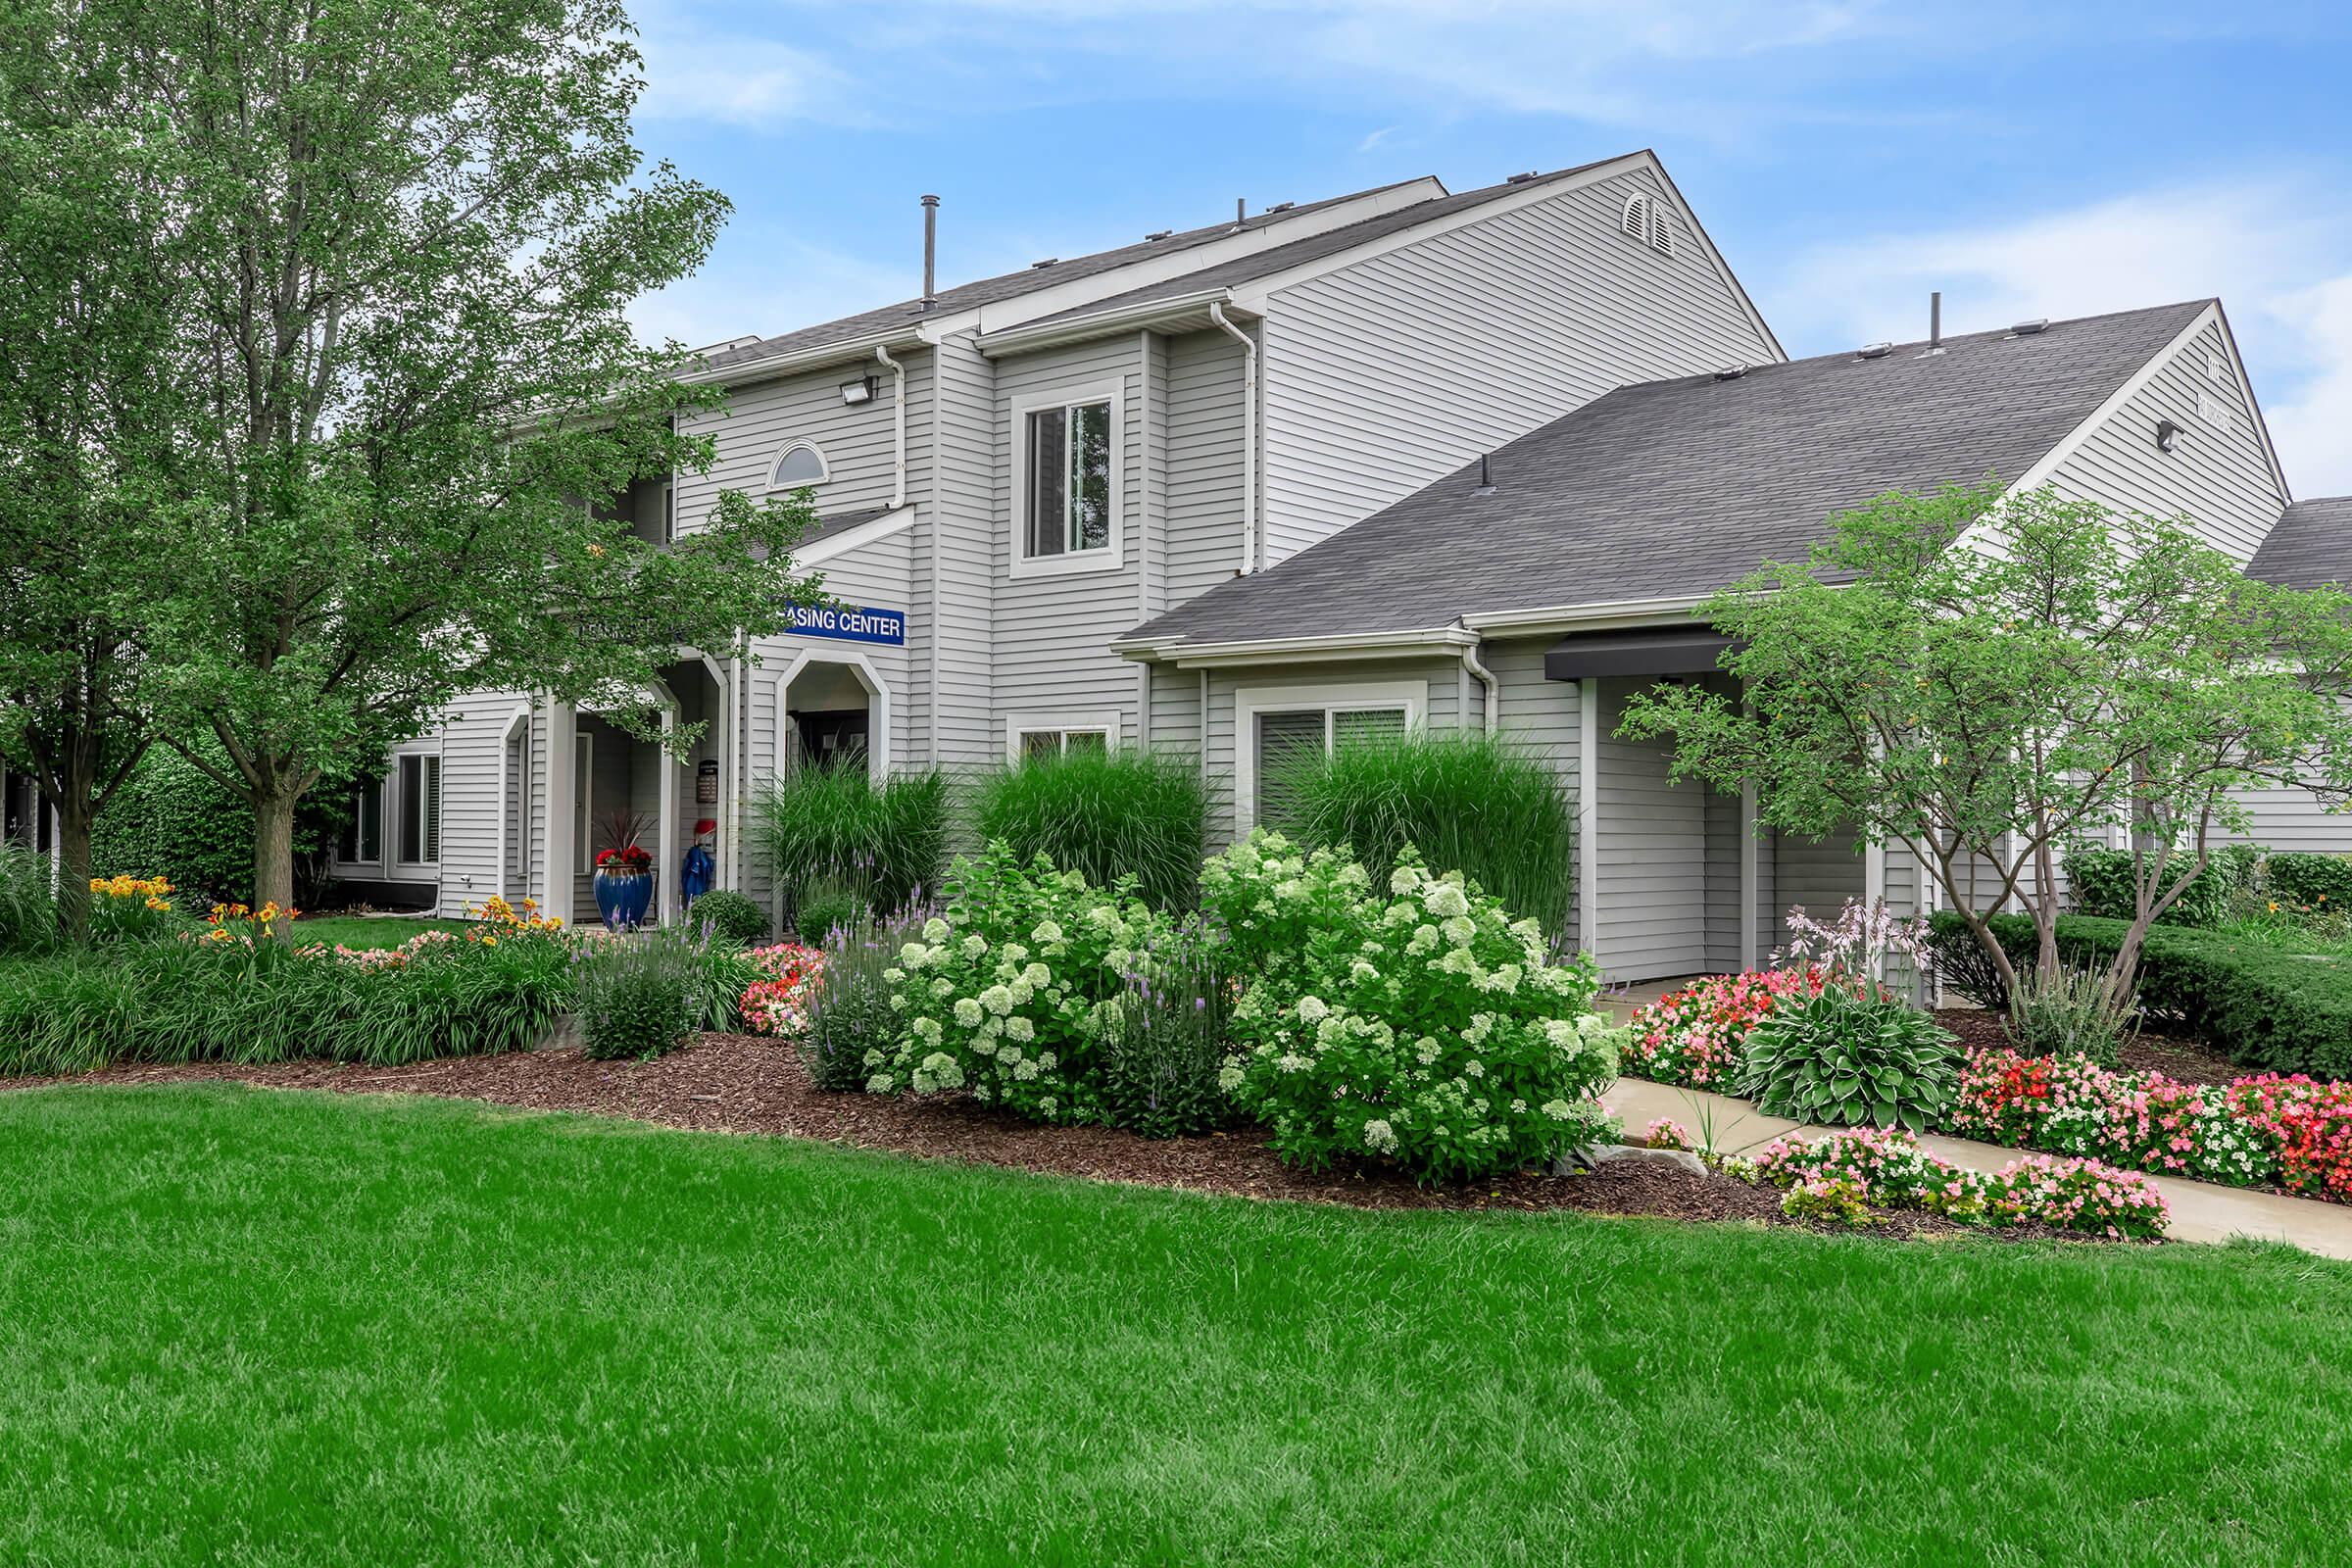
[2267,1009]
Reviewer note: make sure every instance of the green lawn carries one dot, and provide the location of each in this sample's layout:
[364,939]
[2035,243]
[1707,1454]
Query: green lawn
[266,1328]
[367,931]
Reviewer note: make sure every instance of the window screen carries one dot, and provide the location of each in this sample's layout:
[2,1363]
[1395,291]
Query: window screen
[421,810]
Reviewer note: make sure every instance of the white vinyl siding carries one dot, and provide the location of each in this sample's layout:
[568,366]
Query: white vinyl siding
[858,446]
[1469,339]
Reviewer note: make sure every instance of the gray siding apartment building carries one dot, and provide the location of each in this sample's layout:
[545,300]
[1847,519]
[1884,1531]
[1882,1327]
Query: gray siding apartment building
[1221,488]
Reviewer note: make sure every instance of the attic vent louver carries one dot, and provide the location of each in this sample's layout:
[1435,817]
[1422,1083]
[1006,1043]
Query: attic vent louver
[1874,351]
[1731,373]
[1039,267]
[1645,219]
[2033,329]
[1159,233]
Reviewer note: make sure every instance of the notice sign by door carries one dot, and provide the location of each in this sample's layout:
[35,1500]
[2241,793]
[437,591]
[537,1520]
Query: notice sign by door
[845,625]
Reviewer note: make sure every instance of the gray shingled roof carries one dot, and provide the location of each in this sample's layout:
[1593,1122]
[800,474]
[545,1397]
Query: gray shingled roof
[1684,486]
[1314,247]
[1012,285]
[2310,548]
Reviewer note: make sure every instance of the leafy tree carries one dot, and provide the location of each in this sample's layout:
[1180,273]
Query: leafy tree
[405,236]
[88,426]
[1982,680]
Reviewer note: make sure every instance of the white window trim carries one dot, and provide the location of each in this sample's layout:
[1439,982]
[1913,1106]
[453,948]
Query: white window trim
[518,722]
[877,704]
[1113,555]
[1335,698]
[1105,721]
[398,815]
[824,467]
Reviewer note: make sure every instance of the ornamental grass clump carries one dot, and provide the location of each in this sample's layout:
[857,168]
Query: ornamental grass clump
[835,825]
[27,911]
[1410,1021]
[1004,992]
[1106,815]
[1489,806]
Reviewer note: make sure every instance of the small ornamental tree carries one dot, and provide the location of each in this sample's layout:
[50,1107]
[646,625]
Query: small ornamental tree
[1982,679]
[401,243]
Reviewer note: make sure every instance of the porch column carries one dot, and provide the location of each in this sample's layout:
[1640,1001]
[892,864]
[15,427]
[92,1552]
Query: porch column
[559,842]
[667,840]
[1587,815]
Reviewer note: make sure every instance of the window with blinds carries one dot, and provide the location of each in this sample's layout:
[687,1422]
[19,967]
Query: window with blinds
[1285,736]
[421,808]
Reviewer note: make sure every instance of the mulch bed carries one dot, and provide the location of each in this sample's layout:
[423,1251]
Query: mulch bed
[2190,1062]
[744,1084]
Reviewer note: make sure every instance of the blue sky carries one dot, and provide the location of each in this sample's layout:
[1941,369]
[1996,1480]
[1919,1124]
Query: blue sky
[2051,159]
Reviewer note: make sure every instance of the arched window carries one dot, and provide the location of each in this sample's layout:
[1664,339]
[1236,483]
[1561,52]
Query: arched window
[1645,219]
[800,465]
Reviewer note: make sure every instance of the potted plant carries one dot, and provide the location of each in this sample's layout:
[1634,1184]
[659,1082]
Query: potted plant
[624,871]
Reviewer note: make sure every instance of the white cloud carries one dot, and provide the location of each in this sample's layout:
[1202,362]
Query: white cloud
[702,73]
[2280,258]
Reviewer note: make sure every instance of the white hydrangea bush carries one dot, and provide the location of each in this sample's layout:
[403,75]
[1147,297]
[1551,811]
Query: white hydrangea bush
[1004,991]
[1413,1021]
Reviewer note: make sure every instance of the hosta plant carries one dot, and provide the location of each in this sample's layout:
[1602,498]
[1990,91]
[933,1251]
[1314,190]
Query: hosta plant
[1411,1021]
[1851,1057]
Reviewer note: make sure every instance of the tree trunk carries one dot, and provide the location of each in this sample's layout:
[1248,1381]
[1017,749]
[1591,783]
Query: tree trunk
[73,873]
[273,851]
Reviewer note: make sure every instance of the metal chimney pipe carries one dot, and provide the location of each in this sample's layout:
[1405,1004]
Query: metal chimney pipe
[1935,320]
[1240,208]
[930,252]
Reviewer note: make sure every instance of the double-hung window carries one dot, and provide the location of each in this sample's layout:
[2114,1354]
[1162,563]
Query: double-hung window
[1068,514]
[421,808]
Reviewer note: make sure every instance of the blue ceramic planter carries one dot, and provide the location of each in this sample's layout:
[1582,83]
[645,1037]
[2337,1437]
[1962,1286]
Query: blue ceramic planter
[623,896]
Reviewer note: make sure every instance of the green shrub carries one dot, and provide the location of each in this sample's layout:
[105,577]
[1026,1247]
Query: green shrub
[825,908]
[734,918]
[1105,815]
[27,911]
[2319,882]
[1851,1057]
[639,996]
[171,819]
[1491,807]
[1163,1053]
[2265,1006]
[2103,882]
[200,1002]
[1410,1019]
[833,825]
[853,1027]
[1006,989]
[2069,1016]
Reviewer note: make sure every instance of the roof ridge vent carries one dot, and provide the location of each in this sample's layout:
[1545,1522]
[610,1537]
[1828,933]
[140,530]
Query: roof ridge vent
[1874,351]
[2033,329]
[1731,373]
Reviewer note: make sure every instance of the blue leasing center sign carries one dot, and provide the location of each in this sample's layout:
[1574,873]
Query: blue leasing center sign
[845,624]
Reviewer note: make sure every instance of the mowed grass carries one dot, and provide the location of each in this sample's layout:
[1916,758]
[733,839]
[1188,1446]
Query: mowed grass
[369,930]
[270,1328]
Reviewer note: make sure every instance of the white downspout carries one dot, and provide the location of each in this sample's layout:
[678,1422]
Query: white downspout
[1217,313]
[898,397]
[1486,681]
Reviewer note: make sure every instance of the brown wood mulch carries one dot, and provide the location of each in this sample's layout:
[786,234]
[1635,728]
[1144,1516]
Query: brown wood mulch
[2190,1062]
[745,1084]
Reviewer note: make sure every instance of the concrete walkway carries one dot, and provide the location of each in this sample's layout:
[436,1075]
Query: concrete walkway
[2201,1211]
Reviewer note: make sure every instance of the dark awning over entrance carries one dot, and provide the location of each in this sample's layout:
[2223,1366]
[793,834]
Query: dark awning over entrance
[1650,651]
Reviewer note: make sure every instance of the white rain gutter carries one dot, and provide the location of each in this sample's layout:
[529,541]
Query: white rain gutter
[897,394]
[1486,683]
[1217,313]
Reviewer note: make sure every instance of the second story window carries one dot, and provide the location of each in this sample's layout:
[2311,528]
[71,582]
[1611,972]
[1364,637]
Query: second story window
[798,467]
[1069,473]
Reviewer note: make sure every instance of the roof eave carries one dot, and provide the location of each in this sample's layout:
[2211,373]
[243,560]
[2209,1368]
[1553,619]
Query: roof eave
[1175,311]
[846,350]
